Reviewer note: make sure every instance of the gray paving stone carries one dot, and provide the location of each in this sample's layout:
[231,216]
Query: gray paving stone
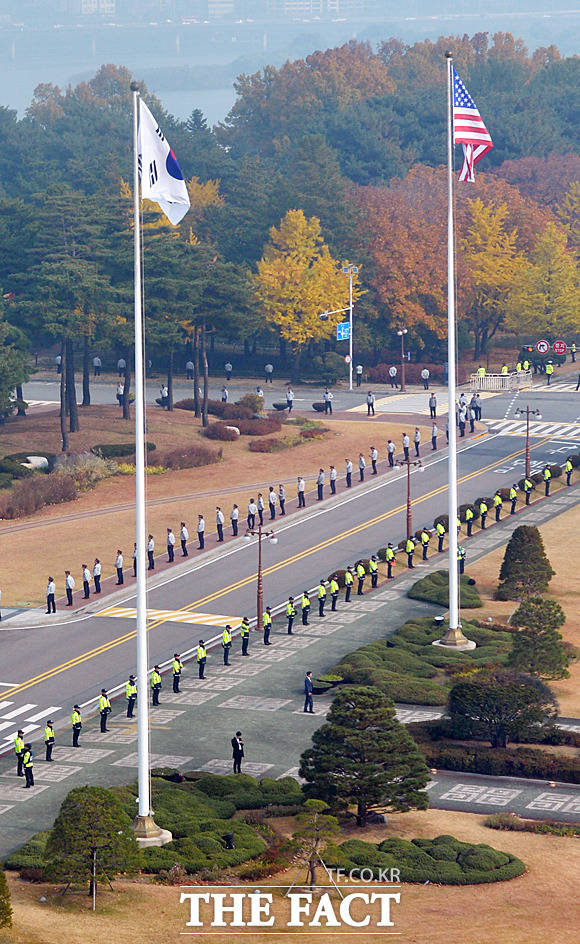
[225,767]
[20,794]
[54,773]
[254,703]
[82,755]
[155,760]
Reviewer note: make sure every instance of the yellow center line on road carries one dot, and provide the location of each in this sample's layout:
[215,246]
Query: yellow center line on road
[154,624]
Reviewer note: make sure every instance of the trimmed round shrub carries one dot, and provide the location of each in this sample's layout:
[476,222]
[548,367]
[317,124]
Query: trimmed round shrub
[191,457]
[262,426]
[113,450]
[280,406]
[339,577]
[252,401]
[221,432]
[463,508]
[318,407]
[443,519]
[265,445]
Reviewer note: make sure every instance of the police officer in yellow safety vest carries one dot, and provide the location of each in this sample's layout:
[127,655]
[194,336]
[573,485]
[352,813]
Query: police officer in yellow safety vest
[497,504]
[334,588]
[409,551]
[28,764]
[483,512]
[156,684]
[573,352]
[227,643]
[177,666]
[361,574]
[440,529]
[321,597]
[481,371]
[513,499]
[104,709]
[504,369]
[348,582]
[245,635]
[201,658]
[526,364]
[425,538]
[305,605]
[518,367]
[290,614]
[469,520]
[131,695]
[549,371]
[461,558]
[267,623]
[19,751]
[568,469]
[528,486]
[77,723]
[547,477]
[374,571]
[390,558]
[49,740]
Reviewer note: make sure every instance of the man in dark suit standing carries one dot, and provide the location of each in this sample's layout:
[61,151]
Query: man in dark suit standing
[238,751]
[308,689]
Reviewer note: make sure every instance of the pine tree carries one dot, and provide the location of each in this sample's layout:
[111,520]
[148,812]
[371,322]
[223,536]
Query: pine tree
[538,647]
[526,570]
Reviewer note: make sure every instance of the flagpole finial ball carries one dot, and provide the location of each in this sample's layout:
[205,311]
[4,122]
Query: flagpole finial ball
[448,54]
[134,86]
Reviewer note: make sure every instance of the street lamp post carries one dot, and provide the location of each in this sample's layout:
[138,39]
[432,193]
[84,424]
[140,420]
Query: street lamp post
[350,270]
[527,412]
[402,332]
[409,463]
[260,533]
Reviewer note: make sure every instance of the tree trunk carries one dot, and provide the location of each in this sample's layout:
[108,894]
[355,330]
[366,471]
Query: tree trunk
[361,814]
[312,872]
[63,429]
[246,347]
[254,347]
[196,404]
[127,388]
[86,373]
[205,375]
[283,348]
[170,380]
[71,393]
[295,366]
[21,410]
[212,343]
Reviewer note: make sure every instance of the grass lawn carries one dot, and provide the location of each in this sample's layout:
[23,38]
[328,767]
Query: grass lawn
[58,540]
[539,907]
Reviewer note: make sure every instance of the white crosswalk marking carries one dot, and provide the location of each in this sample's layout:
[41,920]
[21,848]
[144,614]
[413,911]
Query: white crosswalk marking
[513,428]
[22,717]
[173,616]
[17,711]
[559,387]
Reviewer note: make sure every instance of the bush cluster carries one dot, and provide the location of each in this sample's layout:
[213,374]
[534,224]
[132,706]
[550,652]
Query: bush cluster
[267,445]
[114,450]
[221,432]
[36,491]
[514,823]
[261,426]
[190,457]
[500,762]
[86,469]
[434,588]
[444,860]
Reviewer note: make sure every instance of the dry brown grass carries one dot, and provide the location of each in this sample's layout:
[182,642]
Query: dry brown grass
[539,907]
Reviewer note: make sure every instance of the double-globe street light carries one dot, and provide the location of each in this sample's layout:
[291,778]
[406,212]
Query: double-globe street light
[402,332]
[410,463]
[527,412]
[260,532]
[349,270]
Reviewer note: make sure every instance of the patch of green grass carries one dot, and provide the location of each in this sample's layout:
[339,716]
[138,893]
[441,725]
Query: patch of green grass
[434,588]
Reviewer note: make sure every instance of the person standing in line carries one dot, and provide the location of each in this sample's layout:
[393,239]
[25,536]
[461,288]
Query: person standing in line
[417,440]
[461,558]
[234,518]
[374,459]
[361,466]
[131,695]
[156,684]
[374,571]
[19,751]
[334,589]
[308,690]
[267,624]
[359,374]
[547,476]
[58,363]
[49,740]
[497,503]
[104,709]
[348,466]
[176,668]
[513,498]
[86,582]
[201,658]
[245,635]
[121,365]
[410,550]
[328,397]
[390,558]
[433,406]
[469,520]
[305,606]
[348,582]
[150,552]
[119,393]
[135,559]
[332,475]
[361,574]
[219,521]
[228,369]
[471,419]
[301,490]
[440,531]
[97,365]
[272,501]
[282,499]
[478,407]
[434,432]
[69,583]
[391,453]
[237,752]
[321,597]
[268,371]
[568,470]
[528,488]
[462,422]
[290,614]
[447,431]
[393,377]
[406,444]
[261,507]
[425,538]
[370,403]
[483,512]
[50,593]
[573,352]
[97,575]
[184,538]
[289,399]
[425,378]
[227,643]
[119,567]
[225,395]
[28,763]
[189,369]
[320,484]
[252,512]
[170,546]
[77,724]
[200,532]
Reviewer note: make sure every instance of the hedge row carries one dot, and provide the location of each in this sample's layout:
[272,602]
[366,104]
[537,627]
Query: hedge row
[434,588]
[499,762]
[115,450]
[514,823]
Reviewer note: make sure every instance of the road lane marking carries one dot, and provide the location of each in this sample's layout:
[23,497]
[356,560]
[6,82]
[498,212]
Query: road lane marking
[172,616]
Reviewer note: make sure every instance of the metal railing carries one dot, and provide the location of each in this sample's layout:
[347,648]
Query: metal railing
[512,381]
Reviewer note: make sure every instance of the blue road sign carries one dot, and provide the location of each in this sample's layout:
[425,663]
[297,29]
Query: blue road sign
[343,331]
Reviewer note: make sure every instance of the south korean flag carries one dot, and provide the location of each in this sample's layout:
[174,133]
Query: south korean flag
[161,177]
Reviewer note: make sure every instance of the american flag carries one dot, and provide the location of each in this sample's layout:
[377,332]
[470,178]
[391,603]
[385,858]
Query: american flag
[468,129]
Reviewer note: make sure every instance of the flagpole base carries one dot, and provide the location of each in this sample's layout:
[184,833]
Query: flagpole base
[454,639]
[148,833]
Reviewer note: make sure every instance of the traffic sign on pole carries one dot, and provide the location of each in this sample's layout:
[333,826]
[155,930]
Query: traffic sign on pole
[559,347]
[347,358]
[542,347]
[343,331]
